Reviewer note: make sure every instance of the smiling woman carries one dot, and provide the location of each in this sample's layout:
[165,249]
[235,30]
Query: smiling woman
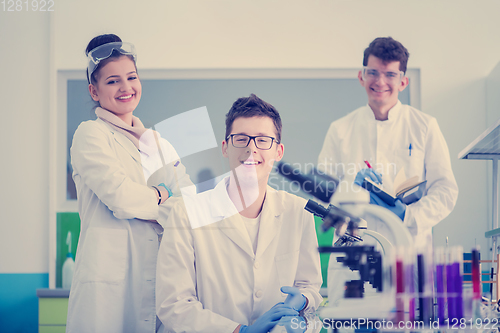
[118,88]
[124,175]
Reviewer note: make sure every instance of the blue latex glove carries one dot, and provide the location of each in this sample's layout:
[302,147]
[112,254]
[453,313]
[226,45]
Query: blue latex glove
[399,208]
[368,173]
[268,320]
[295,324]
[295,299]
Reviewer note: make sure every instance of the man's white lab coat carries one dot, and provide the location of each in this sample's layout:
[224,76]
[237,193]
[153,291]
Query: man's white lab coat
[210,280]
[386,145]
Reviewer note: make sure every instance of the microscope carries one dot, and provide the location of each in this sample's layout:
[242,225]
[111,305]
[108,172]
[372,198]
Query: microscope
[345,212]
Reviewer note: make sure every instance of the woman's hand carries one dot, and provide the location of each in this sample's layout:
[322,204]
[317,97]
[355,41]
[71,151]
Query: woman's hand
[161,194]
[164,195]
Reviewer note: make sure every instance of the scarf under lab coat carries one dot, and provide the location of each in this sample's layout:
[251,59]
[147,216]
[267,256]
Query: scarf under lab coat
[145,139]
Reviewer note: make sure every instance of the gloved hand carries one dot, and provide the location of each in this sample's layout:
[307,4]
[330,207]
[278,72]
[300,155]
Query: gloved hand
[399,208]
[295,324]
[268,320]
[368,173]
[295,299]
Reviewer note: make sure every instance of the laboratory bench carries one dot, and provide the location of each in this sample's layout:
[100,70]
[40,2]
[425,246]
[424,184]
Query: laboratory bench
[52,310]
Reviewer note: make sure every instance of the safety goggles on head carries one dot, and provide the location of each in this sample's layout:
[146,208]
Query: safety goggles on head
[105,51]
[370,74]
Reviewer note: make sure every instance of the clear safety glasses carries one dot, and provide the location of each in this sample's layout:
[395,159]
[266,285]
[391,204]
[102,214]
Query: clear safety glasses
[105,51]
[370,74]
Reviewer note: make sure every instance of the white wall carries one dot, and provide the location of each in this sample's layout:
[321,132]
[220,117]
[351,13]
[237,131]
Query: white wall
[453,42]
[493,96]
[24,91]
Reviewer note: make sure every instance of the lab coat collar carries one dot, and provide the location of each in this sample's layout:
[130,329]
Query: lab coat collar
[394,112]
[233,226]
[221,204]
[230,222]
[392,116]
[270,222]
[123,141]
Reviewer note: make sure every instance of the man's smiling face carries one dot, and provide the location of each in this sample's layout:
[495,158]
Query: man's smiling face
[251,164]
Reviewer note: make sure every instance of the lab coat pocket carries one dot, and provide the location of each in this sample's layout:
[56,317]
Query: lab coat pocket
[413,164]
[286,264]
[104,256]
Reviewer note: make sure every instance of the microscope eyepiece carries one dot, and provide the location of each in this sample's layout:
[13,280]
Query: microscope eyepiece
[316,209]
[316,183]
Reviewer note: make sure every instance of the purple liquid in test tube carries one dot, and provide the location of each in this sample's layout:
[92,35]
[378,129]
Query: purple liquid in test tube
[440,293]
[410,274]
[457,278]
[440,261]
[454,283]
[450,289]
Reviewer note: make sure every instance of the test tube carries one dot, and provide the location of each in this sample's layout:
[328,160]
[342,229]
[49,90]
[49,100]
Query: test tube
[450,286]
[425,283]
[399,272]
[476,284]
[454,273]
[411,280]
[440,261]
[476,279]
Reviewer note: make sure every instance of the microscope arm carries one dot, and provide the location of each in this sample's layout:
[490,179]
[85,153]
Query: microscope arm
[402,236]
[384,242]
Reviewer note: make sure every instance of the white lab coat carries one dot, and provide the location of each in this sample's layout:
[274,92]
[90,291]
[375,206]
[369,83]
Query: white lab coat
[210,280]
[385,144]
[113,287]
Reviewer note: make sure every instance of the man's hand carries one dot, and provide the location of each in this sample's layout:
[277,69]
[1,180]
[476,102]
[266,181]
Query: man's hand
[268,320]
[399,209]
[368,173]
[295,299]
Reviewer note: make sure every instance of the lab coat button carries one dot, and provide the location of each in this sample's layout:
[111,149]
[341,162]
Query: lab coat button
[258,294]
[257,265]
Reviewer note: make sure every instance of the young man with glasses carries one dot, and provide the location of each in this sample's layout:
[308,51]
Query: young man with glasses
[234,254]
[392,136]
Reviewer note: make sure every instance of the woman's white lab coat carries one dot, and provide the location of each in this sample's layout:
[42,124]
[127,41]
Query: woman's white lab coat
[113,286]
[210,280]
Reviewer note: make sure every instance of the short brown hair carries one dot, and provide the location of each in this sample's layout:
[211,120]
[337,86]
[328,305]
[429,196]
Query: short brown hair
[387,49]
[253,106]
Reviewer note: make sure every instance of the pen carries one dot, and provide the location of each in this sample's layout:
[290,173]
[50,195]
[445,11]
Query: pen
[409,148]
[368,165]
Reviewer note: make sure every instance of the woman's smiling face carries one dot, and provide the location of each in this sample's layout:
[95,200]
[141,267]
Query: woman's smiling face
[118,88]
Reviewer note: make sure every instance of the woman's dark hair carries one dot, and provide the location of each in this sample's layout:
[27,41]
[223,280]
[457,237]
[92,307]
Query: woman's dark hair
[387,49]
[98,41]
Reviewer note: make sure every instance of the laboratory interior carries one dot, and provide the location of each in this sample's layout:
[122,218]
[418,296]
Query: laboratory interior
[195,58]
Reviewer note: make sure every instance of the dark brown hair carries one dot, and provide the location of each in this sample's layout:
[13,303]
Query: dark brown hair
[253,106]
[387,49]
[98,41]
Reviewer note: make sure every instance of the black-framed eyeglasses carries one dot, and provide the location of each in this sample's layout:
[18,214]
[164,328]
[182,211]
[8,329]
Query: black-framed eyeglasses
[261,142]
